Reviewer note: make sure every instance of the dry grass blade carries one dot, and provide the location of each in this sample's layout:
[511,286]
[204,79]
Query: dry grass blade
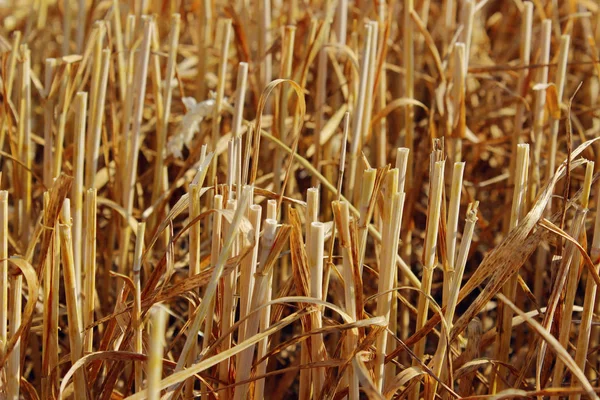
[555,345]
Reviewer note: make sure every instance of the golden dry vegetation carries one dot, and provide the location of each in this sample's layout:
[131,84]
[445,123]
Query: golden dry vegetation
[311,199]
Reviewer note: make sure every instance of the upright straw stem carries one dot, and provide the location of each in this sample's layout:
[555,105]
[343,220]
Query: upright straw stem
[77,195]
[158,325]
[89,266]
[589,302]
[132,159]
[3,269]
[452,228]
[429,256]
[540,104]
[282,108]
[216,118]
[215,250]
[409,84]
[72,300]
[48,122]
[571,289]
[504,327]
[13,364]
[358,117]
[137,309]
[262,295]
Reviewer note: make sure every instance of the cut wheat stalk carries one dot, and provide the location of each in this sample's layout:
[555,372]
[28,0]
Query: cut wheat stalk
[158,326]
[215,249]
[264,43]
[216,117]
[382,87]
[429,256]
[238,116]
[561,78]
[583,338]
[316,246]
[77,194]
[228,305]
[540,104]
[341,21]
[119,44]
[452,228]
[409,84]
[72,300]
[51,293]
[392,212]
[289,37]
[368,111]
[262,295]
[89,267]
[137,313]
[572,283]
[366,207]
[64,102]
[3,269]
[466,35]
[349,268]
[95,122]
[134,138]
[321,100]
[48,121]
[13,364]
[442,353]
[247,285]
[80,34]
[194,269]
[95,94]
[67,16]
[358,118]
[159,167]
[505,322]
[458,93]
[25,142]
[567,263]
[205,29]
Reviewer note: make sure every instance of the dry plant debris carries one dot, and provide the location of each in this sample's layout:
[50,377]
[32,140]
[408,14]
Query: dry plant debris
[311,199]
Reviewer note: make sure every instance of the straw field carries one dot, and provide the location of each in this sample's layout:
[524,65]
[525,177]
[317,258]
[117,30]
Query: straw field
[312,199]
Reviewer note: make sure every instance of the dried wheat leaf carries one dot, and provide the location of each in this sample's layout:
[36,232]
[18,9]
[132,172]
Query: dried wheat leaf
[33,288]
[560,351]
